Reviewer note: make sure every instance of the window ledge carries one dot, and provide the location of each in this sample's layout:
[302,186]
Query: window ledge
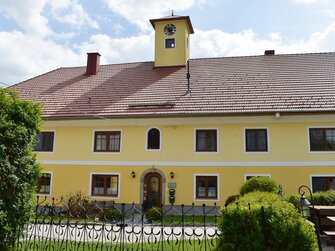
[104,197]
[322,152]
[260,152]
[206,152]
[106,153]
[206,200]
[43,195]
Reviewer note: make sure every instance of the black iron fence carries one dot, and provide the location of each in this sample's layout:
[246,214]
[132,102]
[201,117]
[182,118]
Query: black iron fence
[108,226]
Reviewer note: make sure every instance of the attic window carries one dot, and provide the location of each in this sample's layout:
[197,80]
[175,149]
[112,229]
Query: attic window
[170,43]
[166,105]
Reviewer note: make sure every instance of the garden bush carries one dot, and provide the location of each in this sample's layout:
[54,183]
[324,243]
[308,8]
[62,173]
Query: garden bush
[80,206]
[153,214]
[231,199]
[278,226]
[110,214]
[262,184]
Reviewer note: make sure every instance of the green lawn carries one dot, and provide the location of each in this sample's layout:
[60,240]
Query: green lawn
[77,246]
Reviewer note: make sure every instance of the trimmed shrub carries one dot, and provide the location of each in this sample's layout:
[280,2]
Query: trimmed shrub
[262,184]
[326,198]
[231,199]
[278,226]
[153,214]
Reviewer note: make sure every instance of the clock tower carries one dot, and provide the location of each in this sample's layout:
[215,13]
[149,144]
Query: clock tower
[172,40]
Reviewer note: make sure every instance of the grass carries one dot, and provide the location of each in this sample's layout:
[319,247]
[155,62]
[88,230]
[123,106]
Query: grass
[90,246]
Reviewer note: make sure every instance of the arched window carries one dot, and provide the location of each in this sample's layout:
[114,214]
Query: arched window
[153,139]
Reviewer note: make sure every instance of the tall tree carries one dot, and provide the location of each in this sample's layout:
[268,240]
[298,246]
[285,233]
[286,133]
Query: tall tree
[20,122]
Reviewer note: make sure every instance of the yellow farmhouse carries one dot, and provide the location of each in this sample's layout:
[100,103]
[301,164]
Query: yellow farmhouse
[185,130]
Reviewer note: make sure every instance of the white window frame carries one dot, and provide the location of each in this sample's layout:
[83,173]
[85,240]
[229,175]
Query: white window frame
[104,197]
[267,139]
[195,140]
[195,186]
[106,130]
[309,140]
[317,175]
[160,140]
[53,146]
[51,177]
[256,175]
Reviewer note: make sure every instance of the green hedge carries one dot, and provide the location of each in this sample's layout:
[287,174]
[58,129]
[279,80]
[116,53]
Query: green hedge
[278,227]
[263,184]
[326,198]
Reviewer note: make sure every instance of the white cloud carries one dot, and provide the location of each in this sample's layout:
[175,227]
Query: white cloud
[25,56]
[138,12]
[72,13]
[124,50]
[306,1]
[27,15]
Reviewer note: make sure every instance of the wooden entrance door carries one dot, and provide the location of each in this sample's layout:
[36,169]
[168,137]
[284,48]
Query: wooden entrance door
[152,196]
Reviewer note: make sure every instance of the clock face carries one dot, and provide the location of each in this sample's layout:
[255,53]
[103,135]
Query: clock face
[169,29]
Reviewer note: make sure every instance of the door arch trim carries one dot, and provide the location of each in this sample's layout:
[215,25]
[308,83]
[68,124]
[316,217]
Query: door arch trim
[152,170]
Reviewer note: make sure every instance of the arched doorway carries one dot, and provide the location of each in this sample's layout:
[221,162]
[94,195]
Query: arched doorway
[152,190]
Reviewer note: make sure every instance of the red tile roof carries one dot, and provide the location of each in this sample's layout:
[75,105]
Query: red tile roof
[231,85]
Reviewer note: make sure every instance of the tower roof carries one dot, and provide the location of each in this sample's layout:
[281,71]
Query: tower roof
[173,17]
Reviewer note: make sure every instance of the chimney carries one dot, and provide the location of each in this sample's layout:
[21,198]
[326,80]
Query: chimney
[93,63]
[269,52]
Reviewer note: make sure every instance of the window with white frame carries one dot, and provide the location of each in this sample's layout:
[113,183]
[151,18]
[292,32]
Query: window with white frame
[153,139]
[323,183]
[45,142]
[107,141]
[249,176]
[256,140]
[206,140]
[44,184]
[105,185]
[206,187]
[322,139]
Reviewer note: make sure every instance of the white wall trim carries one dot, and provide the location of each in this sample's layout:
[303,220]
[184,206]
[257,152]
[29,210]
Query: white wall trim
[160,140]
[51,177]
[195,140]
[256,175]
[104,197]
[267,139]
[172,163]
[106,130]
[195,183]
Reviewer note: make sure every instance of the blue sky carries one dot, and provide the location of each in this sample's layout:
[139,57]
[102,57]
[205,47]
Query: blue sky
[40,35]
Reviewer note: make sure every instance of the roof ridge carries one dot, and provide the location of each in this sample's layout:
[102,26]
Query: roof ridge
[284,54]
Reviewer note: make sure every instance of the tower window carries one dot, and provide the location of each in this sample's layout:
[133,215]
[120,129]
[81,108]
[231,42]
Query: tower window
[170,43]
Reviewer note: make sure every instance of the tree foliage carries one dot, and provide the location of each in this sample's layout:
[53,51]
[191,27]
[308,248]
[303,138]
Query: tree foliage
[20,123]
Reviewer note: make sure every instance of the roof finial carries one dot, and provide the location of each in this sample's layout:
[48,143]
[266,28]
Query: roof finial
[172,13]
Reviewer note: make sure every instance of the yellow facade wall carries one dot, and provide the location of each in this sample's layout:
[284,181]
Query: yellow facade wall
[289,161]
